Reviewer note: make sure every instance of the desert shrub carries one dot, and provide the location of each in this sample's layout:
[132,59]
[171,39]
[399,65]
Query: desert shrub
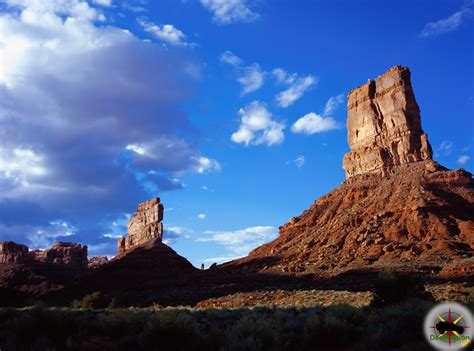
[391,287]
[94,301]
[113,303]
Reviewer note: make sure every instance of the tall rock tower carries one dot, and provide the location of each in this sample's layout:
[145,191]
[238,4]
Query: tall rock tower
[145,225]
[383,123]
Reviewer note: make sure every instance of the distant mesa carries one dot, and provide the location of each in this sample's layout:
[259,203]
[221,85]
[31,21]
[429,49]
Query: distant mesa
[146,225]
[383,125]
[65,255]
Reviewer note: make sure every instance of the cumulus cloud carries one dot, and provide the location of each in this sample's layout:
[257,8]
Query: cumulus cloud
[258,127]
[106,3]
[312,123]
[167,33]
[201,216]
[204,165]
[297,87]
[462,159]
[87,111]
[240,242]
[448,24]
[230,11]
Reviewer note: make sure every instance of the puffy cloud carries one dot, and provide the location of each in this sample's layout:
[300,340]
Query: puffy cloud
[312,123]
[201,216]
[297,88]
[167,33]
[240,242]
[230,11]
[448,24]
[204,165]
[86,112]
[462,159]
[258,127]
[106,3]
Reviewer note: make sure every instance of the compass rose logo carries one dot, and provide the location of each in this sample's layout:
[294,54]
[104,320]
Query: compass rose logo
[448,326]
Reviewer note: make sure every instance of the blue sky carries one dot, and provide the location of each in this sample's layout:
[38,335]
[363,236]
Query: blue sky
[233,112]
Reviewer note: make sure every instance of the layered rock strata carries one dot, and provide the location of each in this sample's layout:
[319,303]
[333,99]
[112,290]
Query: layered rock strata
[383,124]
[145,225]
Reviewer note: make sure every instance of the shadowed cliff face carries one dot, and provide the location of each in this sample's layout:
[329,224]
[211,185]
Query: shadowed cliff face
[383,125]
[397,207]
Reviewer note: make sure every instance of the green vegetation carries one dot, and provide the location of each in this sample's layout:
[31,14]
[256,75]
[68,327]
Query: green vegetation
[339,327]
[94,301]
[392,287]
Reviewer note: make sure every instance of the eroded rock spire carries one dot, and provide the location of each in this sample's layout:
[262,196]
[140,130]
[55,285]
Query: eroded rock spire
[383,123]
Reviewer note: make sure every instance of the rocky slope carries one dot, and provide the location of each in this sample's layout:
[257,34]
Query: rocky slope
[397,208]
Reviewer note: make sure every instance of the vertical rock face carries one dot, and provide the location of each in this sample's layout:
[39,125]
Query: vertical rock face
[145,225]
[68,255]
[61,255]
[383,123]
[11,252]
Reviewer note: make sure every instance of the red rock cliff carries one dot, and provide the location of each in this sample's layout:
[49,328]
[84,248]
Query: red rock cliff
[383,124]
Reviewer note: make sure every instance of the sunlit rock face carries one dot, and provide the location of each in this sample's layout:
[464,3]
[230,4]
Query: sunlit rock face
[384,127]
[145,225]
[11,252]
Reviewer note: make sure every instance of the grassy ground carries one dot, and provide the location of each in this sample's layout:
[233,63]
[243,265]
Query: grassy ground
[338,327]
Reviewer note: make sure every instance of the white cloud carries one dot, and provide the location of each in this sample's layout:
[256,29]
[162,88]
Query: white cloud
[332,104]
[230,11]
[204,165]
[106,3]
[462,159]
[299,161]
[136,148]
[312,123]
[283,76]
[222,259]
[231,59]
[296,90]
[86,110]
[252,78]
[445,148]
[167,33]
[201,216]
[205,188]
[257,126]
[241,242]
[448,24]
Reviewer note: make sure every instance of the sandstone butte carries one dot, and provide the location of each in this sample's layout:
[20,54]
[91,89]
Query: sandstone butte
[145,225]
[396,208]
